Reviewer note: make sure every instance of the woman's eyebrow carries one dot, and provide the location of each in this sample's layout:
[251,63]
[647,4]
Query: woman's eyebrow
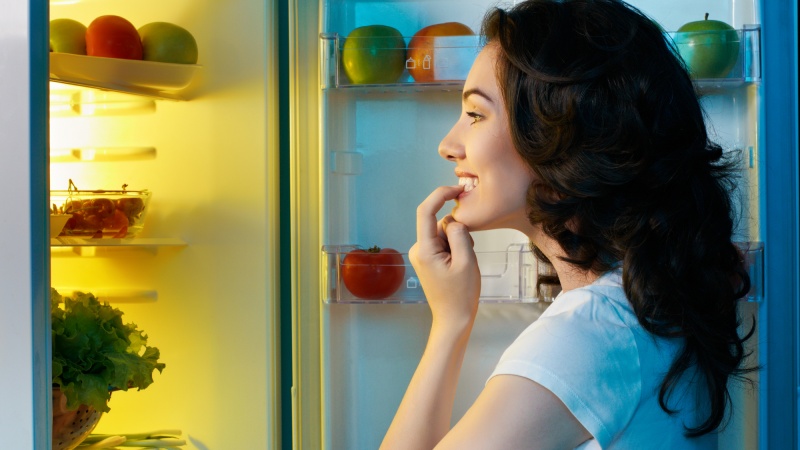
[476,91]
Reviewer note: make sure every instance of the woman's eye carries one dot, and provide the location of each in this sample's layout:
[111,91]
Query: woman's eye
[474,116]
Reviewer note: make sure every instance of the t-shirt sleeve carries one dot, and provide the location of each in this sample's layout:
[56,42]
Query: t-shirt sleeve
[582,351]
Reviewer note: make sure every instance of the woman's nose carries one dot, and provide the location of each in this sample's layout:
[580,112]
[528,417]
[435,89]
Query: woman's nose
[451,148]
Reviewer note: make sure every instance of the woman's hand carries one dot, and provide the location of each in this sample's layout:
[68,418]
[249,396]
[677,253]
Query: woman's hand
[445,263]
[448,270]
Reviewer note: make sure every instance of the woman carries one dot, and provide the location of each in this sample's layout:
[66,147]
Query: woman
[580,128]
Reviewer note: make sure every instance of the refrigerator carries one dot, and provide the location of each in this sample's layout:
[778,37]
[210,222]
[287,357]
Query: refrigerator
[267,166]
[201,278]
[364,155]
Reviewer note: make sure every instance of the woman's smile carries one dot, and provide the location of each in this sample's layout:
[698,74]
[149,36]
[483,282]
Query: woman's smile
[469,182]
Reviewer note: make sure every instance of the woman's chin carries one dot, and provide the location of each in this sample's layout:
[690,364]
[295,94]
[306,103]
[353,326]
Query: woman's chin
[471,223]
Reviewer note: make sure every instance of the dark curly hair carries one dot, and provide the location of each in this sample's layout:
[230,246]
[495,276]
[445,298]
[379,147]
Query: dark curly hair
[607,117]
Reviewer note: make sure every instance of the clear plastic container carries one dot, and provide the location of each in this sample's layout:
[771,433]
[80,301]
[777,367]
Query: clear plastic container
[721,59]
[510,276]
[101,213]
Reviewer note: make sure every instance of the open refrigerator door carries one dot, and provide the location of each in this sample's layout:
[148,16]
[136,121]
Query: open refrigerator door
[167,172]
[375,154]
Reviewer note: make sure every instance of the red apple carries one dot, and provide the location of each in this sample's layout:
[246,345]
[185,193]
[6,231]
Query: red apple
[113,37]
[421,58]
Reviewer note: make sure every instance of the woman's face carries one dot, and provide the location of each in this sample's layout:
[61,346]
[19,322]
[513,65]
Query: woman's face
[495,177]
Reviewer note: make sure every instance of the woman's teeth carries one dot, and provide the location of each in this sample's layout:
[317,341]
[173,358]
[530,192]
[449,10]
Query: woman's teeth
[469,183]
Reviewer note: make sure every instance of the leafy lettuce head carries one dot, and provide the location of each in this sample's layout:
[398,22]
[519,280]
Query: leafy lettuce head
[94,352]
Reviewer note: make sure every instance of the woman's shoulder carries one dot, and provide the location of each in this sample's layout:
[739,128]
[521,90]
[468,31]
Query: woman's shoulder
[591,326]
[584,350]
[603,301]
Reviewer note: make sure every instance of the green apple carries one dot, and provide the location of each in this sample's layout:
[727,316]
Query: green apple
[374,54]
[167,42]
[710,48]
[67,36]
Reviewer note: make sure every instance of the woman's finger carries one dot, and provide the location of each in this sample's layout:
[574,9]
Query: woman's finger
[426,212]
[459,240]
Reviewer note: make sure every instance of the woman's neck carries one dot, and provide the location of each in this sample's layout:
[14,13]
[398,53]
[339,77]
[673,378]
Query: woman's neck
[569,275]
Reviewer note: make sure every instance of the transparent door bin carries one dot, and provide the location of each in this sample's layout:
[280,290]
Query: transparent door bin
[706,44]
[508,276]
[445,63]
[452,56]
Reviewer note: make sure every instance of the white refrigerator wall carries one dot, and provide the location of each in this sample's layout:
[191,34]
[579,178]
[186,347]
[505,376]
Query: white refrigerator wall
[214,185]
[369,352]
[24,382]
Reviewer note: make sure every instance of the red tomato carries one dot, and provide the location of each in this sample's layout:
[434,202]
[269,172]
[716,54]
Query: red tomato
[113,37]
[373,274]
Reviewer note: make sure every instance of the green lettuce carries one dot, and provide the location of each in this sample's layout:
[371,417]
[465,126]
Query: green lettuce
[95,353]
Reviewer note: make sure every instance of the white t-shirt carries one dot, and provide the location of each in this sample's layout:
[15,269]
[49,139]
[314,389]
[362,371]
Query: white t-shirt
[589,350]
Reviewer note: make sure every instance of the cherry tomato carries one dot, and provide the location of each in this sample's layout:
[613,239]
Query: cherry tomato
[116,221]
[373,274]
[93,222]
[76,222]
[103,207]
[113,37]
[132,207]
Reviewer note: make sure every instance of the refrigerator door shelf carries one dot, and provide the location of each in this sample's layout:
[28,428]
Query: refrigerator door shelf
[510,276]
[449,61]
[452,57]
[747,68]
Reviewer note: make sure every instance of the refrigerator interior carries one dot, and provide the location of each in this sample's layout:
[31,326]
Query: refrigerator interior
[377,159]
[201,277]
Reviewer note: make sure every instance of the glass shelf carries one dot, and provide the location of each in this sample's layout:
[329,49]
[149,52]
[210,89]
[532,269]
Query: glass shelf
[113,295]
[101,154]
[73,101]
[84,246]
[453,57]
[510,276]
